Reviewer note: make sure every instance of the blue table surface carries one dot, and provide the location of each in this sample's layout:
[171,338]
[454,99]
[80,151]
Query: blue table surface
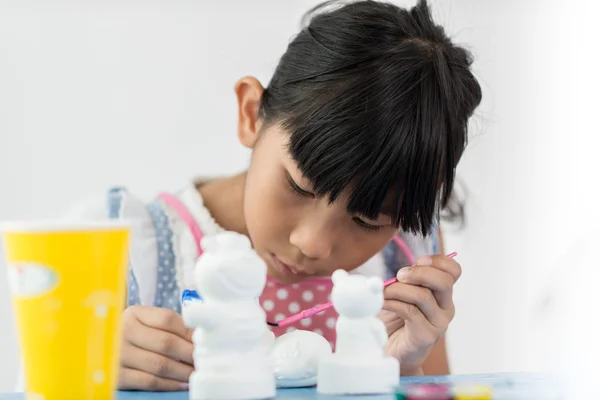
[504,386]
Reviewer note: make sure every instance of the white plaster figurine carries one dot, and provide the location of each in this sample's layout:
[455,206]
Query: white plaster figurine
[359,364]
[232,342]
[296,357]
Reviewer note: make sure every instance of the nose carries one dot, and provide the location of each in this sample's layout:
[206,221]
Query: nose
[314,239]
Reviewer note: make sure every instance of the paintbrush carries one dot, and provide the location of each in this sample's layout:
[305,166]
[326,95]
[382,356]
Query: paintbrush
[315,310]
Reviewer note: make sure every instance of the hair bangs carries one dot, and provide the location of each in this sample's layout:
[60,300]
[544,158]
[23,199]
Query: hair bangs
[376,101]
[393,164]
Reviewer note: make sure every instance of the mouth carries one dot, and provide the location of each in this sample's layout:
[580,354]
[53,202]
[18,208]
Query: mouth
[285,269]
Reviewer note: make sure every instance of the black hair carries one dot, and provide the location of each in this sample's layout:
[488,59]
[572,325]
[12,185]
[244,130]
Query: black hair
[376,98]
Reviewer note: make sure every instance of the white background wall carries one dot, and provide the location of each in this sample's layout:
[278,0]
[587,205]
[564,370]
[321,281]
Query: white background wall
[141,94]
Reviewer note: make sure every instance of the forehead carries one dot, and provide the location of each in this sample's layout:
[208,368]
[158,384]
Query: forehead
[276,141]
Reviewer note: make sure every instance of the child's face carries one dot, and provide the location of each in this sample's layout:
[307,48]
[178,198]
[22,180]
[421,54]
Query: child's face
[298,235]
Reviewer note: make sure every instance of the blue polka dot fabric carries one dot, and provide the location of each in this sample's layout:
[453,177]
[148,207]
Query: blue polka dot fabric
[167,288]
[115,200]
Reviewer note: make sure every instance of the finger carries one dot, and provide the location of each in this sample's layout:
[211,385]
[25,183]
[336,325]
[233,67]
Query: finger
[164,319]
[161,342]
[155,364]
[420,296]
[131,379]
[414,320]
[439,282]
[444,263]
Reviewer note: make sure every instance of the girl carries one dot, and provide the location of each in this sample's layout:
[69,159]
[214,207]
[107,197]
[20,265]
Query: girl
[355,142]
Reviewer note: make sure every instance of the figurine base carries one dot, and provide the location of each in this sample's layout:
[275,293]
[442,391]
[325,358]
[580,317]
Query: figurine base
[343,376]
[228,387]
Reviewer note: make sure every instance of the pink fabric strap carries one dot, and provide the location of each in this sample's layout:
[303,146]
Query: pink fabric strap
[190,221]
[186,216]
[404,247]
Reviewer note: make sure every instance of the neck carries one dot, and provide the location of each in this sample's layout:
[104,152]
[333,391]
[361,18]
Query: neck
[224,199]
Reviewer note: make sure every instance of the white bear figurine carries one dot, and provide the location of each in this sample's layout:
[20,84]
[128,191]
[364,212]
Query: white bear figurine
[232,342]
[359,364]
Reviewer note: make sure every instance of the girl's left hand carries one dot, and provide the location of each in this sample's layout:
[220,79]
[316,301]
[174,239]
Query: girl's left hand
[418,309]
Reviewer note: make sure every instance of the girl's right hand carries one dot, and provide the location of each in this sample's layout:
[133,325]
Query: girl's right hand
[156,352]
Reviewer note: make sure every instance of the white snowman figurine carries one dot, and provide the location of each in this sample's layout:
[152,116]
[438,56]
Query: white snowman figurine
[359,364]
[232,342]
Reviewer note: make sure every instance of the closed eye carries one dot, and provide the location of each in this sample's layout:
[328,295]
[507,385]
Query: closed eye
[366,225]
[297,189]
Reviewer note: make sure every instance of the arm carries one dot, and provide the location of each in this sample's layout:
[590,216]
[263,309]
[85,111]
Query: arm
[437,362]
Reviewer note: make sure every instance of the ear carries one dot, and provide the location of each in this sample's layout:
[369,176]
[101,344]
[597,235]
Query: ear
[249,92]
[375,284]
[338,276]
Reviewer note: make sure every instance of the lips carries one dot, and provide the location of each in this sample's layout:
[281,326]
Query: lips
[285,269]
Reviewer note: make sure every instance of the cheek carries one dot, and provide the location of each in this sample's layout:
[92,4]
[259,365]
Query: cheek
[263,208]
[359,248]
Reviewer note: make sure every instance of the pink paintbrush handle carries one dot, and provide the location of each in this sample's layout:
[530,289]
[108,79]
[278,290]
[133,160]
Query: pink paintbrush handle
[304,314]
[315,310]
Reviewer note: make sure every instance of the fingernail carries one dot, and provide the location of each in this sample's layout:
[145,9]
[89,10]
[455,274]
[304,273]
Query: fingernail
[403,273]
[424,261]
[184,387]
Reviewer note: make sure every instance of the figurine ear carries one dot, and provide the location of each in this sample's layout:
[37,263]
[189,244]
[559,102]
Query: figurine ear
[338,276]
[375,284]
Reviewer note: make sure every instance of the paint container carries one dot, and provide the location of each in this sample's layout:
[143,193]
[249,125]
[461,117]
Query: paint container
[473,392]
[429,391]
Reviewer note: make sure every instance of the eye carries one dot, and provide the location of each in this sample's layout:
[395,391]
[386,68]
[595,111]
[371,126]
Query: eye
[366,225]
[297,189]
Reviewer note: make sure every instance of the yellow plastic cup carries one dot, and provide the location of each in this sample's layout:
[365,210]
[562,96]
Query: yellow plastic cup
[67,281]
